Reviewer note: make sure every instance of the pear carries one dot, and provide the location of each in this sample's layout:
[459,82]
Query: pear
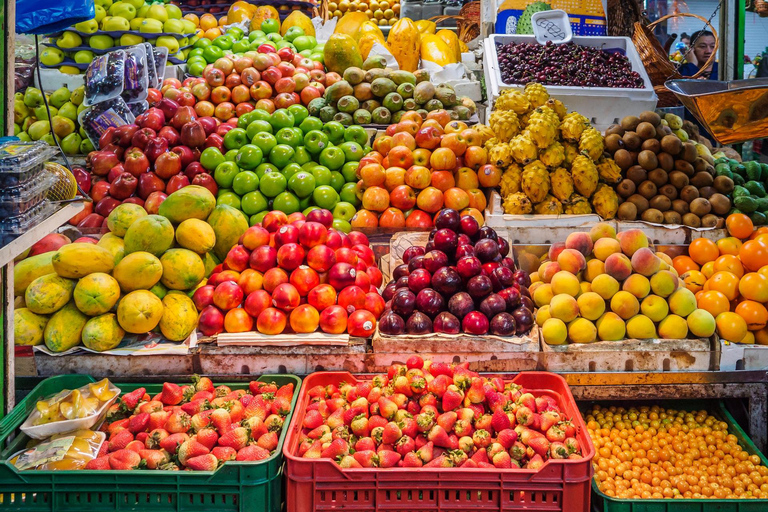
[62,126]
[52,56]
[68,110]
[82,133]
[59,97]
[24,137]
[189,27]
[33,97]
[39,129]
[86,146]
[19,96]
[41,113]
[80,108]
[20,111]
[114,24]
[69,40]
[16,129]
[84,57]
[27,123]
[78,95]
[71,144]
[48,139]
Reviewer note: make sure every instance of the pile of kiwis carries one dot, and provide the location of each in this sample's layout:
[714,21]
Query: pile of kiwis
[665,180]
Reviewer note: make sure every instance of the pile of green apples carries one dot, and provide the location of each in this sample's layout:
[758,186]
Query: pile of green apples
[31,121]
[139,20]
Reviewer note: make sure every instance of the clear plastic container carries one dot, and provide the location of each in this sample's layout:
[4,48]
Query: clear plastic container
[97,119]
[161,58]
[136,81]
[17,200]
[138,108]
[105,78]
[12,227]
[152,78]
[21,162]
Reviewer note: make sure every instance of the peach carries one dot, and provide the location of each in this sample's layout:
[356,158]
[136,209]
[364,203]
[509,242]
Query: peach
[664,283]
[430,200]
[237,258]
[618,266]
[595,268]
[591,305]
[579,241]
[682,302]
[286,297]
[227,295]
[304,279]
[271,321]
[604,247]
[625,304]
[466,178]
[632,240]
[666,261]
[534,286]
[673,327]
[274,220]
[555,250]
[645,262]
[610,327]
[361,323]
[602,230]
[477,204]
[585,287]
[322,296]
[257,302]
[374,303]
[237,320]
[701,323]
[304,318]
[563,307]
[582,330]
[571,260]
[273,278]
[456,198]
[547,270]
[565,282]
[542,315]
[376,199]
[654,307]
[543,295]
[352,298]
[638,285]
[554,332]
[250,281]
[640,327]
[418,177]
[333,320]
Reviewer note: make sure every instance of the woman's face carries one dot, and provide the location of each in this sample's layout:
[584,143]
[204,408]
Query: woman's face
[703,48]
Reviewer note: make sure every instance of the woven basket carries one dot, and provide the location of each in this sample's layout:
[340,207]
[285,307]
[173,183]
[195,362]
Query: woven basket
[656,61]
[466,28]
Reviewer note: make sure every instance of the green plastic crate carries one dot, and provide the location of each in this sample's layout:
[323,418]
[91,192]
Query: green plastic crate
[609,504]
[234,487]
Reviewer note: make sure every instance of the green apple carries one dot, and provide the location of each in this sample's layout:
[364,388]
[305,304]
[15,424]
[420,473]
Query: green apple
[135,23]
[143,10]
[77,95]
[115,23]
[68,110]
[89,27]
[71,144]
[38,129]
[69,40]
[151,26]
[173,26]
[158,13]
[123,10]
[137,4]
[184,41]
[173,12]
[130,39]
[101,42]
[51,56]
[59,97]
[106,4]
[169,42]
[62,126]
[189,28]
[100,13]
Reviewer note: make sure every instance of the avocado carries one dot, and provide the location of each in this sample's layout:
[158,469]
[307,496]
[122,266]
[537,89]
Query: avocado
[747,204]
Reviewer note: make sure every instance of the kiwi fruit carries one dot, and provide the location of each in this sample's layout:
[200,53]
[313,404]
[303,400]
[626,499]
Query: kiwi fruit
[647,189]
[615,129]
[709,221]
[634,154]
[632,141]
[613,143]
[685,167]
[666,161]
[678,179]
[629,123]
[650,116]
[700,165]
[660,202]
[720,204]
[637,174]
[723,184]
[700,206]
[652,215]
[689,153]
[623,159]
[647,160]
[659,177]
[669,190]
[646,131]
[680,206]
[706,192]
[639,201]
[651,145]
[689,193]
[672,217]
[627,211]
[702,179]
[671,144]
[626,188]
[692,220]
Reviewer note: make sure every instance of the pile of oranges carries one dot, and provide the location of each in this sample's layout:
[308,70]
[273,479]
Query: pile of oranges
[656,453]
[730,279]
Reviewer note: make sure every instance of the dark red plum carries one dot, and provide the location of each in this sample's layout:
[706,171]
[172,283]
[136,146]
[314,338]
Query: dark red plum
[523,320]
[402,282]
[469,226]
[527,303]
[391,323]
[503,247]
[486,249]
[412,251]
[524,291]
[464,250]
[448,219]
[403,302]
[446,281]
[479,286]
[416,262]
[468,267]
[400,271]
[446,323]
[419,279]
[430,246]
[430,302]
[522,278]
[503,324]
[512,297]
[501,277]
[475,323]
[465,240]
[488,232]
[418,323]
[508,262]
[435,260]
[446,241]
[461,304]
[492,305]
[389,291]
[489,267]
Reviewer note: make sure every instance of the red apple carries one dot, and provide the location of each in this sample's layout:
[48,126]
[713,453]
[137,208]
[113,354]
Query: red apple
[142,137]
[124,186]
[214,140]
[107,204]
[211,321]
[82,177]
[203,297]
[170,134]
[175,183]
[207,181]
[155,148]
[136,162]
[99,190]
[153,201]
[100,162]
[168,108]
[167,164]
[124,133]
[149,182]
[48,243]
[237,258]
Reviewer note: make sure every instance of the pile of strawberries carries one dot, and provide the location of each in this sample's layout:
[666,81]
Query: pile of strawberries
[435,415]
[195,427]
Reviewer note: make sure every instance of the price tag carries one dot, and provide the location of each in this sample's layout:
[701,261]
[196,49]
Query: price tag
[552,26]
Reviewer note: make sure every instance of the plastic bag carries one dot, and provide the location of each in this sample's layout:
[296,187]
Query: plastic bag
[138,107]
[44,17]
[135,82]
[97,119]
[105,78]
[151,67]
[62,452]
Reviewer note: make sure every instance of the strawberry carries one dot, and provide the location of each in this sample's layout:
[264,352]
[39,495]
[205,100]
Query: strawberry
[129,401]
[425,421]
[224,453]
[207,462]
[201,420]
[452,398]
[426,452]
[363,388]
[367,458]
[494,449]
[405,445]
[549,418]
[119,440]
[555,434]
[157,419]
[391,433]
[466,444]
[253,452]
[172,442]
[506,438]
[365,443]
[568,427]
[480,456]
[202,383]
[536,422]
[441,369]
[319,432]
[502,460]
[453,442]
[359,426]
[221,420]
[351,413]
[484,422]
[207,437]
[485,465]
[469,464]
[402,385]
[388,459]
[138,422]
[524,416]
[257,407]
[417,384]
[376,421]
[193,407]
[496,400]
[500,421]
[415,362]
[349,462]
[142,436]
[517,451]
[118,425]
[189,449]
[312,419]
[268,441]
[285,391]
[338,448]
[447,420]
[573,445]
[408,427]
[439,437]
[274,423]
[475,393]
[527,400]
[387,408]
[124,459]
[341,432]
[412,460]
[382,447]
[458,457]
[535,463]
[135,446]
[172,394]
[440,461]
[203,395]
[314,392]
[335,403]
[439,385]
[527,434]
[99,463]
[223,390]
[377,433]
[153,459]
[481,438]
[178,422]
[236,438]
[428,399]
[558,450]
[149,407]
[379,381]
[540,445]
[103,450]
[462,428]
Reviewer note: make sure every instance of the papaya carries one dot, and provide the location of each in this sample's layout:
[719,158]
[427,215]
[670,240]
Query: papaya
[102,333]
[121,218]
[182,269]
[179,316]
[350,24]
[195,235]
[138,271]
[425,27]
[139,311]
[341,52]
[239,14]
[79,260]
[452,40]
[370,27]
[26,271]
[229,224]
[434,49]
[298,19]
[113,244]
[463,46]
[210,262]
[366,43]
[48,294]
[262,13]
[28,327]
[96,293]
[65,328]
[190,202]
[152,234]
[403,41]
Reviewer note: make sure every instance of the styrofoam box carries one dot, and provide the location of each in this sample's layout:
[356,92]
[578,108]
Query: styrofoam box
[735,356]
[604,105]
[54,79]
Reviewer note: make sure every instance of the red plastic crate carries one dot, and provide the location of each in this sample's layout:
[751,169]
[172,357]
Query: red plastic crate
[320,484]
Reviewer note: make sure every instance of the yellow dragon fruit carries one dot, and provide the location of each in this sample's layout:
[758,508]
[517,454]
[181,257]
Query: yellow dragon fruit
[608,170]
[591,143]
[558,106]
[541,131]
[605,201]
[511,180]
[504,124]
[546,113]
[584,175]
[553,156]
[561,183]
[513,100]
[500,155]
[571,152]
[484,131]
[535,181]
[577,205]
[523,149]
[572,126]
[517,204]
[536,93]
[549,206]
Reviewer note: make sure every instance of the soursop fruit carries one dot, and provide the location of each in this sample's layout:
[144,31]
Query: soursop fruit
[524,25]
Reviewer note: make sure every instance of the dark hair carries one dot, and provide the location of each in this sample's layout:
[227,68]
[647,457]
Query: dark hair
[684,36]
[700,33]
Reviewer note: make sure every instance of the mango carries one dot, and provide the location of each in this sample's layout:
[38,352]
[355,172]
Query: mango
[190,202]
[79,260]
[152,234]
[179,316]
[96,293]
[102,333]
[29,269]
[196,235]
[350,24]
[182,269]
[139,311]
[48,294]
[28,327]
[113,244]
[65,328]
[610,327]
[121,218]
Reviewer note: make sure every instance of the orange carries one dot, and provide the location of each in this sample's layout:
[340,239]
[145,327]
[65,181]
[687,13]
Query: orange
[708,269]
[754,286]
[703,250]
[753,255]
[731,326]
[212,33]
[724,282]
[683,264]
[763,238]
[193,18]
[753,313]
[713,301]
[223,21]
[694,280]
[763,271]
[759,231]
[208,21]
[729,263]
[729,245]
[739,225]
[761,336]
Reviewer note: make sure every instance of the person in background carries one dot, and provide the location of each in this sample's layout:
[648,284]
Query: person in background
[703,45]
[686,40]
